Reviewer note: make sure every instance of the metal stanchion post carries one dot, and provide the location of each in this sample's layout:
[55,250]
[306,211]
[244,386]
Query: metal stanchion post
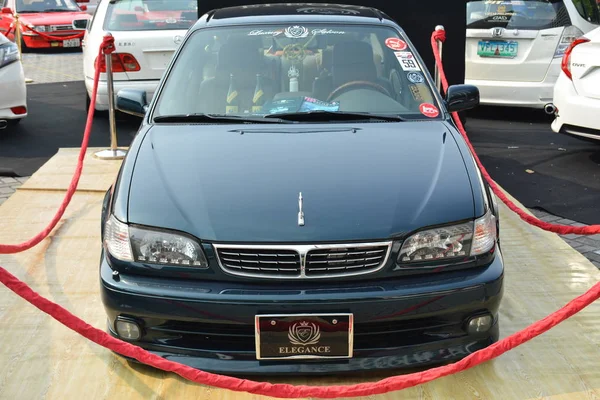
[438,82]
[19,40]
[114,153]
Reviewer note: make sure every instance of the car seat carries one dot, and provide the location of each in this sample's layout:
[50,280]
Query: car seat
[244,60]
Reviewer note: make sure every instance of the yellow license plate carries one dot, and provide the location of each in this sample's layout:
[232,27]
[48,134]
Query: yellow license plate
[54,44]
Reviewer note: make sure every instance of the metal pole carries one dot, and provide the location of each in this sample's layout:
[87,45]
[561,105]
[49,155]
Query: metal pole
[114,153]
[438,82]
[18,33]
[19,40]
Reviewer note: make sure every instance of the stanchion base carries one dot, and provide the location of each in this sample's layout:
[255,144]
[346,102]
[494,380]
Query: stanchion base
[109,154]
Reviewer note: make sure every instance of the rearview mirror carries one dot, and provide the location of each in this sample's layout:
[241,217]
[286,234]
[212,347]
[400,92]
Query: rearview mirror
[6,10]
[80,24]
[462,97]
[132,101]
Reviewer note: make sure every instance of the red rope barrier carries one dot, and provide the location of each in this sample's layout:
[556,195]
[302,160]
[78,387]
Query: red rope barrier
[55,38]
[106,47]
[290,391]
[10,28]
[264,388]
[560,229]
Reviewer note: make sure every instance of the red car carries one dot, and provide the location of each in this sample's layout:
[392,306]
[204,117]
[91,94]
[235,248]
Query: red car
[53,19]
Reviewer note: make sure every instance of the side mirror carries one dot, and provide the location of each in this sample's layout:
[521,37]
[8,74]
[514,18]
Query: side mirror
[80,24]
[83,8]
[6,10]
[132,101]
[462,97]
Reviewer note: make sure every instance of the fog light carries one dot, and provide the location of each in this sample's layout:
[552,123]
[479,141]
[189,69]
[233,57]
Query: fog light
[128,329]
[480,324]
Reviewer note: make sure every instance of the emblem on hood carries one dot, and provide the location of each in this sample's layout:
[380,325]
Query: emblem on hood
[177,39]
[300,210]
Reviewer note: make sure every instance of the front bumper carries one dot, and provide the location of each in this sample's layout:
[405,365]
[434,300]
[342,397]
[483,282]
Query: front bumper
[518,94]
[12,80]
[577,115]
[149,86]
[408,322]
[34,41]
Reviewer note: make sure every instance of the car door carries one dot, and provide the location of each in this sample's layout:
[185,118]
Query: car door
[516,40]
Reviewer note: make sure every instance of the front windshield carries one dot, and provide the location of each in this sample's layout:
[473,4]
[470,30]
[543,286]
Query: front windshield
[151,15]
[259,70]
[25,6]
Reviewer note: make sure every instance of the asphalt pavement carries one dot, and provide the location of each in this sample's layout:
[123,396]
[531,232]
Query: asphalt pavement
[552,172]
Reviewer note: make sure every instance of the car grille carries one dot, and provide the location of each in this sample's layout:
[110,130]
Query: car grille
[344,260]
[260,261]
[303,261]
[58,28]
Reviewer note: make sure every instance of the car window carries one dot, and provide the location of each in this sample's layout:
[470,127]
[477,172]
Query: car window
[25,6]
[517,14]
[280,69]
[589,10]
[136,15]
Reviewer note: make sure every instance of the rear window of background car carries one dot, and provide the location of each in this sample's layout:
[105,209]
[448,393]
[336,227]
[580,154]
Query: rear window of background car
[517,14]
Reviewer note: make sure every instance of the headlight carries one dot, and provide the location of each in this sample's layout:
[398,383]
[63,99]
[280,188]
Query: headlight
[152,246]
[38,28]
[467,239]
[9,53]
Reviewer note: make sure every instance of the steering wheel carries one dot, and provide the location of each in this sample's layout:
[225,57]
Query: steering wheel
[355,84]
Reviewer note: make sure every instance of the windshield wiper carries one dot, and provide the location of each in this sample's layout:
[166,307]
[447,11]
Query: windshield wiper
[56,10]
[215,118]
[322,115]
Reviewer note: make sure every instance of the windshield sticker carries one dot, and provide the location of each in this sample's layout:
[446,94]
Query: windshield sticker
[260,32]
[416,93]
[327,32]
[407,61]
[415,77]
[396,44]
[296,32]
[327,11]
[429,110]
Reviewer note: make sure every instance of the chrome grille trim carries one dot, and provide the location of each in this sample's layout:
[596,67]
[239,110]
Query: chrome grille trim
[56,28]
[291,261]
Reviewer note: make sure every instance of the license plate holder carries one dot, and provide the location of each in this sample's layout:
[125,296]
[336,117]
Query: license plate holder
[304,336]
[71,43]
[497,48]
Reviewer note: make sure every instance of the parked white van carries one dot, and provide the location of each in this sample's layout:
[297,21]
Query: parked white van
[514,47]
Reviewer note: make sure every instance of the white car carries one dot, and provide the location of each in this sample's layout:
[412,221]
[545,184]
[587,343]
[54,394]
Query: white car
[146,32]
[577,90]
[514,47]
[13,92]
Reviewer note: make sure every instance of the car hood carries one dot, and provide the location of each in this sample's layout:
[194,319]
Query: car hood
[242,183]
[52,18]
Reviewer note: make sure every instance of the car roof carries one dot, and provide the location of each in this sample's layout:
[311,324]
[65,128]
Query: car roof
[293,12]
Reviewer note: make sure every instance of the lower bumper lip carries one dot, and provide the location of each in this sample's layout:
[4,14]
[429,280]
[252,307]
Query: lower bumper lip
[213,328]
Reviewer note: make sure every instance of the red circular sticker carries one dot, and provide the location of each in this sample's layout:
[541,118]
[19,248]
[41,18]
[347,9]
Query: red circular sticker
[429,110]
[396,44]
